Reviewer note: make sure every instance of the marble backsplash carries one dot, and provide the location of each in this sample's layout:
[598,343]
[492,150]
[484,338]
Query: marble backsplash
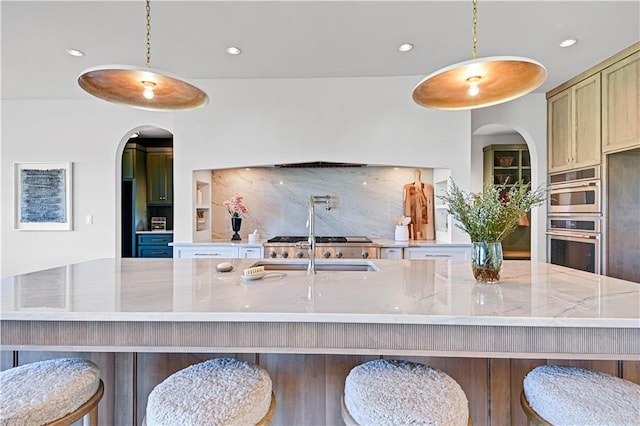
[366,199]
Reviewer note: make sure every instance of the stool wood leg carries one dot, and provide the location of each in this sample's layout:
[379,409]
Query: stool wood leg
[92,418]
[89,408]
[533,418]
[266,420]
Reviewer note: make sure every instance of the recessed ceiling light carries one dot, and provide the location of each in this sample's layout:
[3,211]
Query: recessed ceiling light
[405,47]
[568,42]
[232,50]
[75,52]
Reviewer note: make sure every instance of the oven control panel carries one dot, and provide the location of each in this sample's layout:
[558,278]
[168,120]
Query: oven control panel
[328,252]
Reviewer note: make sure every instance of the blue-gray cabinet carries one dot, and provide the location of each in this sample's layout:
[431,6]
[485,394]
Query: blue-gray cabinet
[159,176]
[155,244]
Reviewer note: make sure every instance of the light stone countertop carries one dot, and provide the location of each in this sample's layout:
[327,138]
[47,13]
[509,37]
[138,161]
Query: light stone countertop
[424,307]
[167,231]
[401,291]
[379,241]
[217,243]
[417,243]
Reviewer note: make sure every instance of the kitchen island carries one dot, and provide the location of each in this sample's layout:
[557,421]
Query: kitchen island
[141,311]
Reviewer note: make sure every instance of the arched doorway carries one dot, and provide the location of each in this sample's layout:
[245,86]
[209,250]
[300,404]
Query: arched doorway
[501,152]
[145,186]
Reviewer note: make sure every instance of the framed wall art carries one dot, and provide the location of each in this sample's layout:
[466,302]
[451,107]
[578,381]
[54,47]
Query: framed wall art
[43,196]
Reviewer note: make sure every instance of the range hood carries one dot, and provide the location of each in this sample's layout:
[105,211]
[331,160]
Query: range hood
[318,164]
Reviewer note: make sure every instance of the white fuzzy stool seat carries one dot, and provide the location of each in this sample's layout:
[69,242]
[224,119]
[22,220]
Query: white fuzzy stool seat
[389,392]
[223,391]
[52,392]
[561,395]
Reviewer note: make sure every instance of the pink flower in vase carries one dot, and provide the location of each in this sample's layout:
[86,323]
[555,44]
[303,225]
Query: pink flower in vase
[235,207]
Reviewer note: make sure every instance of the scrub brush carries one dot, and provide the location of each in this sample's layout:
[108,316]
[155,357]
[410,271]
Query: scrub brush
[258,272]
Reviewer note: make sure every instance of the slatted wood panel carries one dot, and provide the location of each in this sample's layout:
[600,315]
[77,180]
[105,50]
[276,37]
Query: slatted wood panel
[500,391]
[631,371]
[6,360]
[308,388]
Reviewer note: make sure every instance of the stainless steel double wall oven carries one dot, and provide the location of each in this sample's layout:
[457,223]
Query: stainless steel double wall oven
[574,237]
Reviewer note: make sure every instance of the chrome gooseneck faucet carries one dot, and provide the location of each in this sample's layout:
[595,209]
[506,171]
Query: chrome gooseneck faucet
[311,243]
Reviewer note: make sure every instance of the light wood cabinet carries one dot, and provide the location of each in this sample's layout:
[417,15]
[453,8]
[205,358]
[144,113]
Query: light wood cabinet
[159,176]
[574,126]
[621,104]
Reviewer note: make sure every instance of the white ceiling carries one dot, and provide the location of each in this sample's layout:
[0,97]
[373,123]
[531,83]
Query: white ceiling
[298,39]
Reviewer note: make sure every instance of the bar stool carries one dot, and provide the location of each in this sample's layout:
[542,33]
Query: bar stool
[562,395]
[390,392]
[222,391]
[56,392]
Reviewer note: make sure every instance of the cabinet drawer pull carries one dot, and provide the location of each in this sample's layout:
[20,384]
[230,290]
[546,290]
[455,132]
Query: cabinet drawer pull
[207,254]
[437,255]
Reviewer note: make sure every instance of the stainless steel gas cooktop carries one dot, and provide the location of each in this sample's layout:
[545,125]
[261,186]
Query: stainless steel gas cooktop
[320,240]
[339,247]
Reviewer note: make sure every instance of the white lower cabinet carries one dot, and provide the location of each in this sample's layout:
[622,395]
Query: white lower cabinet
[250,252]
[211,251]
[438,253]
[206,252]
[391,253]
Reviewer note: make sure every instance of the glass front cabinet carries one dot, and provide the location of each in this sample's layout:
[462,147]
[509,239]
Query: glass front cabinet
[507,164]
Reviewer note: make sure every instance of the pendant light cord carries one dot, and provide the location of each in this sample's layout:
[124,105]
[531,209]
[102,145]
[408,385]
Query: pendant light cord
[149,34]
[475,27]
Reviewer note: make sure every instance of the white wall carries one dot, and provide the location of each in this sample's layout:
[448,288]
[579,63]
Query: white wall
[362,120]
[248,122]
[87,133]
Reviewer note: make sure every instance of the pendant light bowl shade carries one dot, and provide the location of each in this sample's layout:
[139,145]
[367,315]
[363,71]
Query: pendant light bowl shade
[495,79]
[141,87]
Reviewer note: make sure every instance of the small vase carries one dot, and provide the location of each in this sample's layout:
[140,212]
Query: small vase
[486,262]
[236,222]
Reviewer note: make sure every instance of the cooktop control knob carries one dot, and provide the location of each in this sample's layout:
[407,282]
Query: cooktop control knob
[272,254]
[284,254]
[338,254]
[299,254]
[365,254]
[326,254]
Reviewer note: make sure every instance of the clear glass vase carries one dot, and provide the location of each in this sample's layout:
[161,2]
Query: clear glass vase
[486,262]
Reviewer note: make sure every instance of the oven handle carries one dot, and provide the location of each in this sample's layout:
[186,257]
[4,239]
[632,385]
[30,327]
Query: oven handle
[576,185]
[583,236]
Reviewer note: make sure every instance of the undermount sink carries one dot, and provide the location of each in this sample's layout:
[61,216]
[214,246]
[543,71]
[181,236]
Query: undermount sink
[321,265]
